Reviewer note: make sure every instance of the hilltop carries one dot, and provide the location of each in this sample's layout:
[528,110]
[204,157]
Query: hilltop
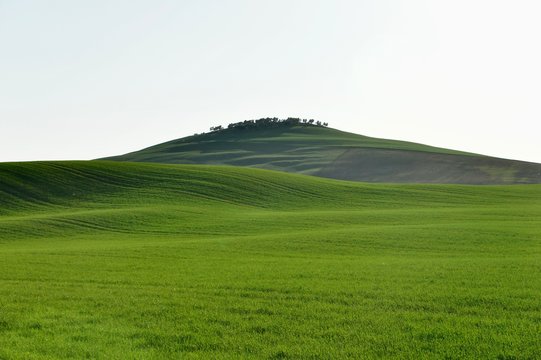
[311,148]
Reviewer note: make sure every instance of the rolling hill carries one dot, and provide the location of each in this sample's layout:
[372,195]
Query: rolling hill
[129,260]
[326,152]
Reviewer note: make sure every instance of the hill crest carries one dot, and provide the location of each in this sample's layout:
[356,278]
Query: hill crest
[309,147]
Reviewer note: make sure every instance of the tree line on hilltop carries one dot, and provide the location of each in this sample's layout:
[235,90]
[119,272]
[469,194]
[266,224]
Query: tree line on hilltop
[269,122]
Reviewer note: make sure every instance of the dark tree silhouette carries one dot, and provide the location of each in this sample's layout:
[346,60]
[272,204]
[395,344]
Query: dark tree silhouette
[269,123]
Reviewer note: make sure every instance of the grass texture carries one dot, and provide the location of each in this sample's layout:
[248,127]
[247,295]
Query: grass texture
[108,260]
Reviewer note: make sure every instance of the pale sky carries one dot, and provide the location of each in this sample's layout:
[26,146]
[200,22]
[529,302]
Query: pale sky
[87,79]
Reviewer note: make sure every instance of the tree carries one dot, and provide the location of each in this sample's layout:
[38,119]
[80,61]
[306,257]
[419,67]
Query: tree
[267,123]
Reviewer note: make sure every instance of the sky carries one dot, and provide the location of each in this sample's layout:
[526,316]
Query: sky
[88,79]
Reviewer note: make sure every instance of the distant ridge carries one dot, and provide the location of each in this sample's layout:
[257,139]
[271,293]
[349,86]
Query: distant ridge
[309,147]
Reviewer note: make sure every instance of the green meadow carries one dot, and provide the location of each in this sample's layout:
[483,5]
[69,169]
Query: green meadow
[112,260]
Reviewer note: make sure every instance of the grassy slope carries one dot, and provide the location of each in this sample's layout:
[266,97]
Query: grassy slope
[336,154]
[121,260]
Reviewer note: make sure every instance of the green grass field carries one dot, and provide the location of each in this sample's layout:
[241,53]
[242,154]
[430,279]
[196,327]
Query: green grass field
[111,260]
